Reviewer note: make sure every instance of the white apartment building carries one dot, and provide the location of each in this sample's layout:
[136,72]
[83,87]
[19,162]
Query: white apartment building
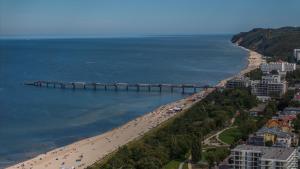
[270,85]
[278,66]
[297,54]
[271,79]
[260,157]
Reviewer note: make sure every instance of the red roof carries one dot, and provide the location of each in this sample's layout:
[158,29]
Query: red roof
[287,118]
[297,96]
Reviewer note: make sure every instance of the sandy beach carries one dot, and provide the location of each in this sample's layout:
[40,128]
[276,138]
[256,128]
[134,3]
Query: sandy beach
[254,61]
[84,153]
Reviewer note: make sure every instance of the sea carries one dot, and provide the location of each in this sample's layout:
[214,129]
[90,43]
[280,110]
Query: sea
[35,120]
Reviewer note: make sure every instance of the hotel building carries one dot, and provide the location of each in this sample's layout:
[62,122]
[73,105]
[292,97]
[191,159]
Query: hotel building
[278,66]
[270,85]
[238,82]
[260,157]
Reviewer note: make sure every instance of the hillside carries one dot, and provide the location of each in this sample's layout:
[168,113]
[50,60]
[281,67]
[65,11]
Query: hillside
[277,43]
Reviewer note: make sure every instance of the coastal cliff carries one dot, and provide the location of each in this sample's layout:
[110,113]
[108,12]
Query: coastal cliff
[276,43]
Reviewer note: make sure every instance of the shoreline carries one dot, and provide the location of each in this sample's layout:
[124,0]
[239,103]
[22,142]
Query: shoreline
[86,152]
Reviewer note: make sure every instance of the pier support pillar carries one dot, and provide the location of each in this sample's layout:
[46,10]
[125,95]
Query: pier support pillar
[182,90]
[195,90]
[149,88]
[105,87]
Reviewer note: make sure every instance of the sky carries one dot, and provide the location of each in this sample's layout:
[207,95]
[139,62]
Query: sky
[114,18]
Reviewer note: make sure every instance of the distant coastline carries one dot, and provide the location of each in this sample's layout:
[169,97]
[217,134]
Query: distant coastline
[276,43]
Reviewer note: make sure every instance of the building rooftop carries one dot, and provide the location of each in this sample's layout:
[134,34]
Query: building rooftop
[256,140]
[239,79]
[275,131]
[297,96]
[258,108]
[288,118]
[291,110]
[277,153]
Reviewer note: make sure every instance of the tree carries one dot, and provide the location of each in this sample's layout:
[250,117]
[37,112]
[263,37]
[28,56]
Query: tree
[294,103]
[177,150]
[211,158]
[215,155]
[149,163]
[247,127]
[196,150]
[221,118]
[296,123]
[284,102]
[269,143]
[182,135]
[271,108]
[255,74]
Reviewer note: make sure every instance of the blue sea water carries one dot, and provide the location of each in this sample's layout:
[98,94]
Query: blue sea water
[35,120]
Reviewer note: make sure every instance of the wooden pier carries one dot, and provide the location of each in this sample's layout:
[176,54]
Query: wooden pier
[117,86]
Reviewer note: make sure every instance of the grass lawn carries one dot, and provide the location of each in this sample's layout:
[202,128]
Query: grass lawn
[204,155]
[228,135]
[172,165]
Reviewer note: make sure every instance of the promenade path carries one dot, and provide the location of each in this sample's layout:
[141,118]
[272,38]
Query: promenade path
[181,165]
[214,139]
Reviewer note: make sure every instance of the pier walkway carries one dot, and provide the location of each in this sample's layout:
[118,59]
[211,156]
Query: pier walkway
[117,86]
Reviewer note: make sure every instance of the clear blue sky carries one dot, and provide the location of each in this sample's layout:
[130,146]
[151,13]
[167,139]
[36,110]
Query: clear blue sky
[142,17]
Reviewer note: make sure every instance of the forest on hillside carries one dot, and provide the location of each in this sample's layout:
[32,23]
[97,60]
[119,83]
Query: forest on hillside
[276,43]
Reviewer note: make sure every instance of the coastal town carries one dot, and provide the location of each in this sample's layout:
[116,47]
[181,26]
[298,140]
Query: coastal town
[275,145]
[111,84]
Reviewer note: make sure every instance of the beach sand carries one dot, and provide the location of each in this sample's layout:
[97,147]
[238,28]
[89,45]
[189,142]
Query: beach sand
[86,152]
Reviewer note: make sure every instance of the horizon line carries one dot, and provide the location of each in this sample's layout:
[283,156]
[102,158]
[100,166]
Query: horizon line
[105,37]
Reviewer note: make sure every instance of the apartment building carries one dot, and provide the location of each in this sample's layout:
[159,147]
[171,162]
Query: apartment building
[260,157]
[270,85]
[297,54]
[238,82]
[278,66]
